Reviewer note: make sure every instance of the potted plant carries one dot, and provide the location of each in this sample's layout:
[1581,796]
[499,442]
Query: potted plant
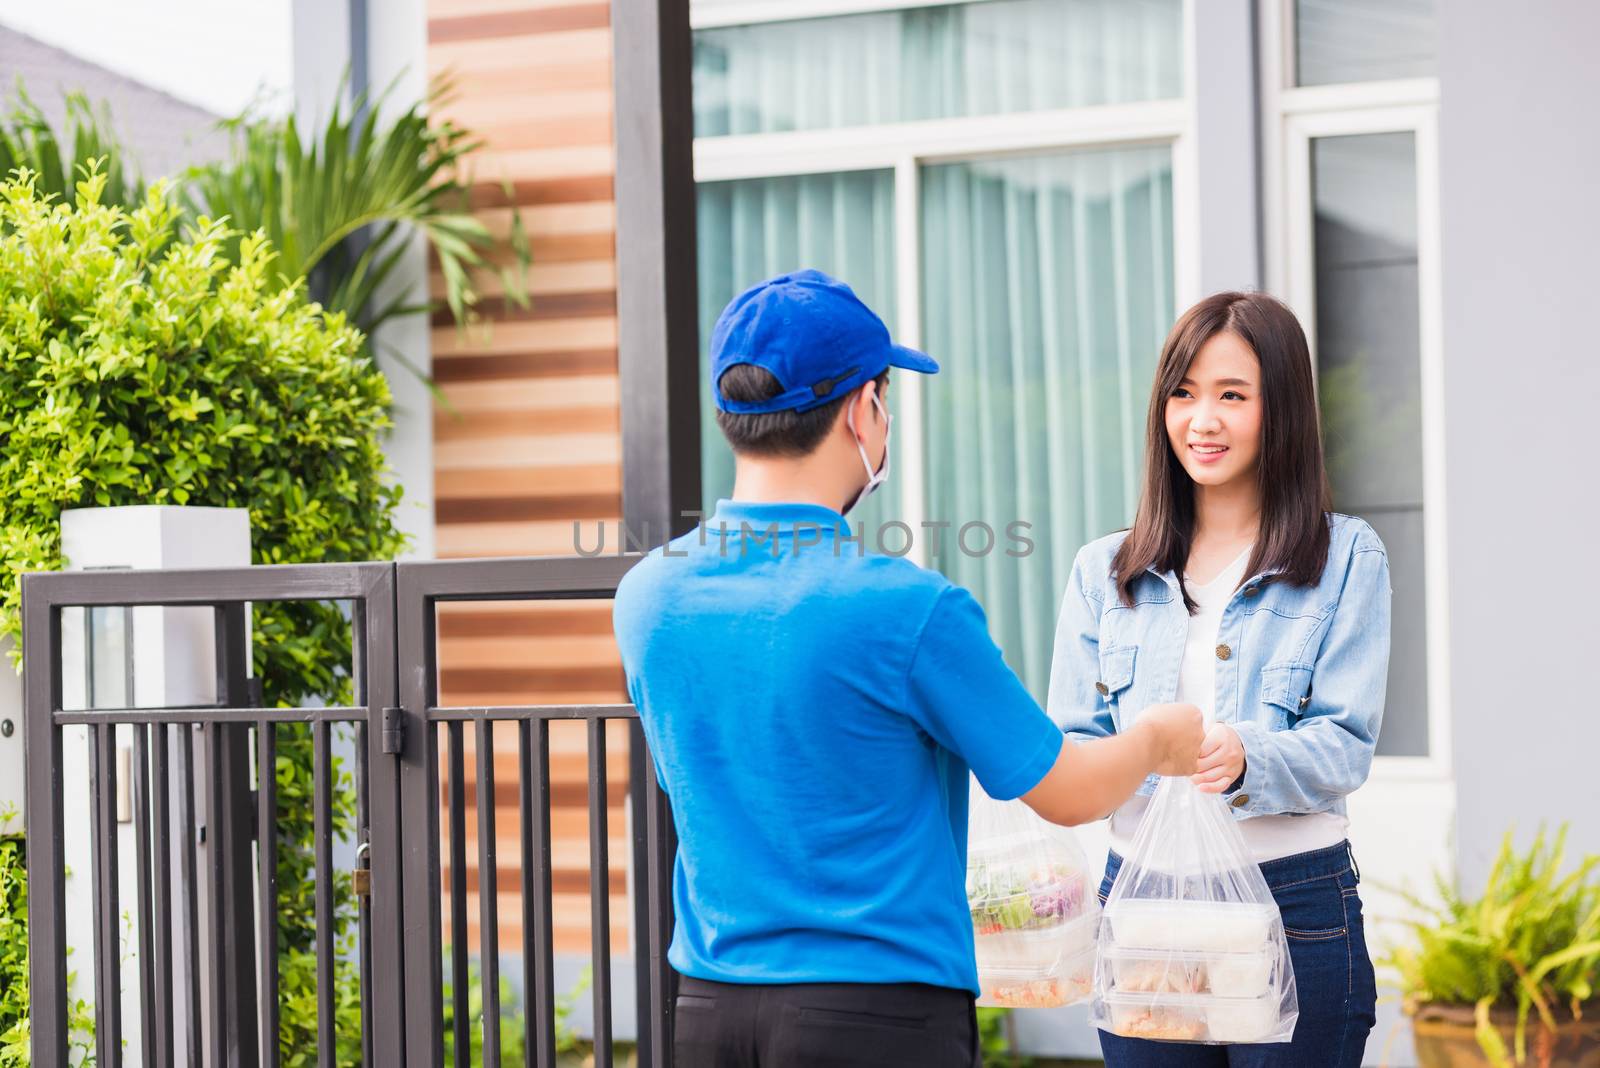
[1510,977]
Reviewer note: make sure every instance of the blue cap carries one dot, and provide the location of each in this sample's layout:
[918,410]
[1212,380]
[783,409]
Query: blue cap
[813,334]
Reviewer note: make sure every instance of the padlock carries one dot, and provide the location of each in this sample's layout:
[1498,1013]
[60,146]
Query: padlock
[361,877]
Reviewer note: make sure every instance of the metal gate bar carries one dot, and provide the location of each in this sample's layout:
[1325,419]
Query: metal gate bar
[421,588]
[397,776]
[237,1026]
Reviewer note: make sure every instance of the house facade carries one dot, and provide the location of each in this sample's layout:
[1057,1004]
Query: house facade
[1031,190]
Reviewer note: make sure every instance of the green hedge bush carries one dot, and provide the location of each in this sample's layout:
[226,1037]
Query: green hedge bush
[139,365]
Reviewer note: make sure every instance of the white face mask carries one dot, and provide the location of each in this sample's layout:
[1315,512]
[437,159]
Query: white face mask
[881,475]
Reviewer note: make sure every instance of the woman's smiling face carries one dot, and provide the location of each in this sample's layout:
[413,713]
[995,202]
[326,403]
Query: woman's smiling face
[1214,416]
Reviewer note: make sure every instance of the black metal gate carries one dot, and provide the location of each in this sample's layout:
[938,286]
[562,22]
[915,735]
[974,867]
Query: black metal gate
[206,937]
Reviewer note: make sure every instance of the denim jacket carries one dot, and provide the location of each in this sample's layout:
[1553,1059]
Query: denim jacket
[1301,671]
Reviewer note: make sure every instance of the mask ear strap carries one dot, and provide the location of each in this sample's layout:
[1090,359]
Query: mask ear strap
[850,420]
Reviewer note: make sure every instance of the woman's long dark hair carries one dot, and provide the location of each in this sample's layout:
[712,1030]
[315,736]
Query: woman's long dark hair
[1293,540]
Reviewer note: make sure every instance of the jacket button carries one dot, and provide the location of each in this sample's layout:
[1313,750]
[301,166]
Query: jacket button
[1102,689]
[1306,700]
[1241,800]
[1251,591]
[1223,652]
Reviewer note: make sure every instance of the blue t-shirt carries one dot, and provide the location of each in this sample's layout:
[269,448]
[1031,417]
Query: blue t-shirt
[812,715]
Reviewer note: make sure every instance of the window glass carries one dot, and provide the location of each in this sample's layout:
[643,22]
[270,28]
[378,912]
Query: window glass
[1363,40]
[1369,372]
[935,62]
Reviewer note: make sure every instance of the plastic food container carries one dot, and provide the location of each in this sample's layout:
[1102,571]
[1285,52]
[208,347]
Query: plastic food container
[1154,973]
[1233,975]
[1241,975]
[1241,1019]
[1069,982]
[1197,926]
[1034,951]
[1192,1018]
[1135,1017]
[1005,894]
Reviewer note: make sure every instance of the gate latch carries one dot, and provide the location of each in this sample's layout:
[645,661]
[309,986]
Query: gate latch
[393,730]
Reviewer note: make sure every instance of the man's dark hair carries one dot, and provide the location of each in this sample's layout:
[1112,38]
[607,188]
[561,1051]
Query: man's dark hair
[787,433]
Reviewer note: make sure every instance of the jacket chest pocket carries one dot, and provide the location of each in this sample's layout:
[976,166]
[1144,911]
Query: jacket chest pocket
[1116,675]
[1285,693]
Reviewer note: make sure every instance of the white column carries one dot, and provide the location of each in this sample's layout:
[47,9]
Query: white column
[396,60]
[173,664]
[1226,150]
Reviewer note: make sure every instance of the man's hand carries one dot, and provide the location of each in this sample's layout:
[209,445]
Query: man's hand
[1091,778]
[1175,733]
[1221,759]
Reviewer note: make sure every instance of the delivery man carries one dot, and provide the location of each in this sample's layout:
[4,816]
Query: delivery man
[813,712]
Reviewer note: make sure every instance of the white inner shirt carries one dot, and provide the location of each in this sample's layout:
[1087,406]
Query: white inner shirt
[1268,837]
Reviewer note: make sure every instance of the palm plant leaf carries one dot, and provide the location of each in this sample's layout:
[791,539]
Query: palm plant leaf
[340,207]
[29,142]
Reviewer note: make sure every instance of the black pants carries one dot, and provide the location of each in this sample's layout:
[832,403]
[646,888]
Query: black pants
[823,1025]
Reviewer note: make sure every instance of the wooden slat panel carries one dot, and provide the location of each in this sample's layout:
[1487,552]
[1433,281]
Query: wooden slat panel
[480,425]
[484,114]
[443,9]
[599,303]
[554,481]
[554,220]
[532,651]
[557,335]
[457,541]
[529,441]
[516,21]
[557,190]
[515,365]
[500,619]
[529,450]
[524,53]
[576,391]
[544,280]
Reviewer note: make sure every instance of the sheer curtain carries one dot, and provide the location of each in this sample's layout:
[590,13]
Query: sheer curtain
[936,62]
[1046,281]
[749,230]
[1047,288]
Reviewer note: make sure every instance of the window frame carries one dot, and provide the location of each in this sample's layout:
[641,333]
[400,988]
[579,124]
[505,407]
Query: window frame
[905,147]
[1292,117]
[715,14]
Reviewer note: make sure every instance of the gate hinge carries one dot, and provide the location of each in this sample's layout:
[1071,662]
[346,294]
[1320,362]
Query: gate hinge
[393,730]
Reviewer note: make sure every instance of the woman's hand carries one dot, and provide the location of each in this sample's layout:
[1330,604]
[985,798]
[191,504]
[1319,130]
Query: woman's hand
[1221,759]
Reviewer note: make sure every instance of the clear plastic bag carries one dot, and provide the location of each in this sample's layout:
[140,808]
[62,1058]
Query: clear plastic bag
[1191,945]
[1034,913]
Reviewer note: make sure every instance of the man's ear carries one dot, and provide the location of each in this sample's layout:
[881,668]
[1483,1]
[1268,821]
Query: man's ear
[852,406]
[867,409]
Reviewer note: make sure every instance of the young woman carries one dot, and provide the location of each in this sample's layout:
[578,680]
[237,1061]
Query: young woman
[1238,591]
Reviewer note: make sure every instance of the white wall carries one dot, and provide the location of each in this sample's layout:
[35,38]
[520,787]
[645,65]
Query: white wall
[396,55]
[1518,163]
[1227,143]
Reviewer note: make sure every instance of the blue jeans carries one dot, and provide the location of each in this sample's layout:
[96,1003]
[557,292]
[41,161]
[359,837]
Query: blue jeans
[1316,892]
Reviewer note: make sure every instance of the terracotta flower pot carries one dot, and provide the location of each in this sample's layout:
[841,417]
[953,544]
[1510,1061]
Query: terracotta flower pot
[1445,1038]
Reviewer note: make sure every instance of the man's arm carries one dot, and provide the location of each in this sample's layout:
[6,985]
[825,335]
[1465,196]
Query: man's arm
[1092,778]
[960,691]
